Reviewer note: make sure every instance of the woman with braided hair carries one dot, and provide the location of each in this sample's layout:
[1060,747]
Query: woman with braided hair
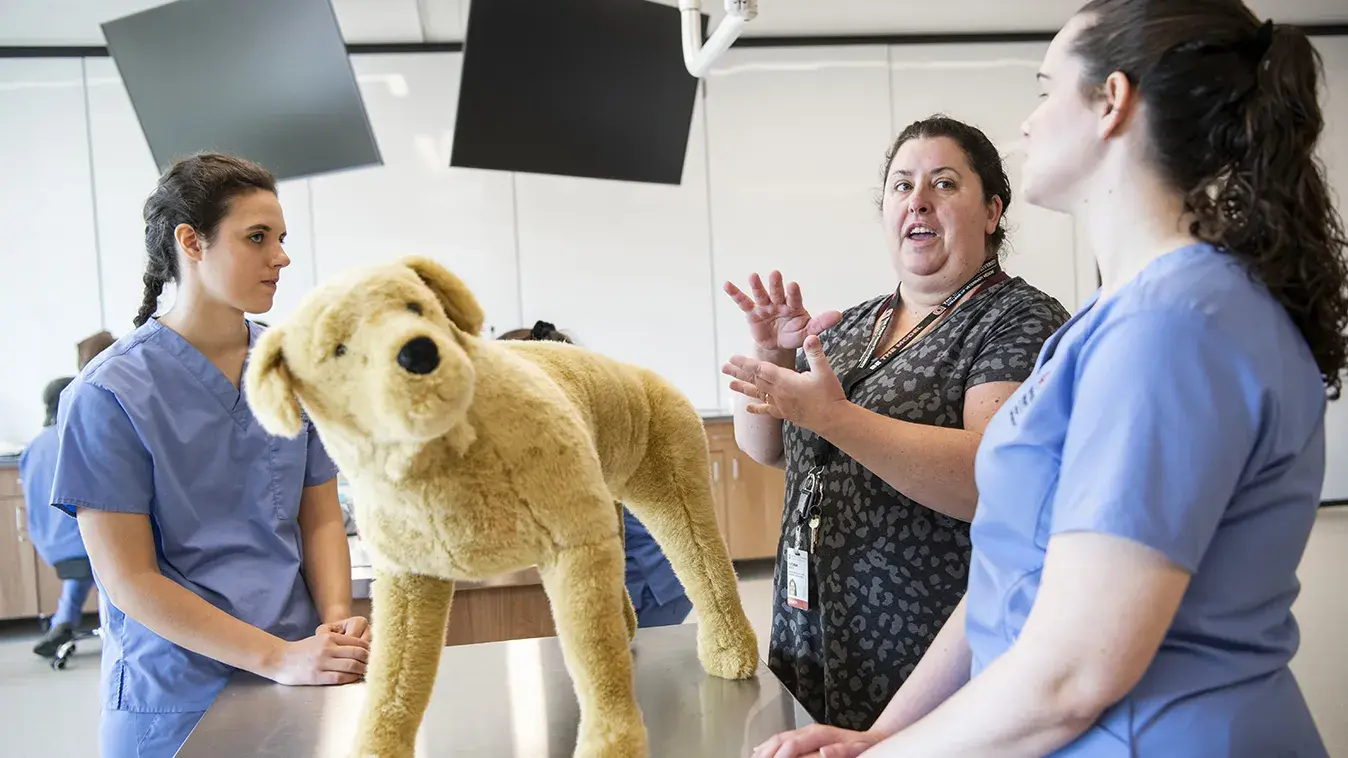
[215,545]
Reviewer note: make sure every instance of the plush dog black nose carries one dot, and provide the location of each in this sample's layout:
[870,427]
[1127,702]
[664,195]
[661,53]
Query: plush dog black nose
[419,356]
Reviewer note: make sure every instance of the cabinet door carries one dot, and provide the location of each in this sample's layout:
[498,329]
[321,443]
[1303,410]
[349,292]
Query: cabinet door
[755,504]
[719,495]
[18,578]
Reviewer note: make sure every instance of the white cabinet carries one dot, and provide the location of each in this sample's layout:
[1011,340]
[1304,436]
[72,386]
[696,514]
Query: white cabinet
[796,142]
[415,204]
[626,267]
[49,289]
[992,87]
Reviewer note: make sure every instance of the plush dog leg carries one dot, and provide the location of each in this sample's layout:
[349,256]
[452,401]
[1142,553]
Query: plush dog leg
[584,585]
[671,494]
[629,611]
[410,613]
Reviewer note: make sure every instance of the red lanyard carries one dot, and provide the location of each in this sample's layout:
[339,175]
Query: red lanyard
[868,363]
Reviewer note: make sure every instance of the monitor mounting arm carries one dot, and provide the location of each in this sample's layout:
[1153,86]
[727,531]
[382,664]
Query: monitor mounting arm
[697,56]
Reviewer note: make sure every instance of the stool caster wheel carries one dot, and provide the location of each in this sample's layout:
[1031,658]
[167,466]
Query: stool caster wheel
[63,656]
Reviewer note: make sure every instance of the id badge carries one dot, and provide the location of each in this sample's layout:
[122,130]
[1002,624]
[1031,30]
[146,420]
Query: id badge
[798,578]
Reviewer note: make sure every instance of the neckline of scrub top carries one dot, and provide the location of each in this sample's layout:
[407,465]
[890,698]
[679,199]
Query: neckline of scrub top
[234,401]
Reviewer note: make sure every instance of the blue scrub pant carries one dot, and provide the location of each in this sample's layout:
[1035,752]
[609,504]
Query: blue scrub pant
[651,613]
[69,609]
[127,734]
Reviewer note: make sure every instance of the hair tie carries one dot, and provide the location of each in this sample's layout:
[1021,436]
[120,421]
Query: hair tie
[541,331]
[1256,46]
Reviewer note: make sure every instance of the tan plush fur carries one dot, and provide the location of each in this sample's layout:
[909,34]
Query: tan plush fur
[506,455]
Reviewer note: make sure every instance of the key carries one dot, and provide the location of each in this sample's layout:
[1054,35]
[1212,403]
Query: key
[814,533]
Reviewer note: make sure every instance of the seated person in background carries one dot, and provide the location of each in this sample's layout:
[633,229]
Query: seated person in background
[91,346]
[56,537]
[657,595]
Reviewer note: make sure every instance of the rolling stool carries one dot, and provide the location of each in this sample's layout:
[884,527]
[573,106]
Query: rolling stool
[74,568]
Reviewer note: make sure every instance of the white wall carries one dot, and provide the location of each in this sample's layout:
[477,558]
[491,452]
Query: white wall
[1334,151]
[782,172]
[49,294]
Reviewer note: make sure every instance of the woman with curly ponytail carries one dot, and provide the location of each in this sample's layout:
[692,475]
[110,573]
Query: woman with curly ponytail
[216,546]
[1146,495]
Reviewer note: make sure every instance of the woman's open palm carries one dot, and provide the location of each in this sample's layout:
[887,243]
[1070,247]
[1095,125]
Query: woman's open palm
[777,317]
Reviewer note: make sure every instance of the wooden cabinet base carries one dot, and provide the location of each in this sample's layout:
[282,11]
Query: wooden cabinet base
[492,614]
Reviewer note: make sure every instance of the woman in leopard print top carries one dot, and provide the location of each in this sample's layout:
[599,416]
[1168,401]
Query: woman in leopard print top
[877,419]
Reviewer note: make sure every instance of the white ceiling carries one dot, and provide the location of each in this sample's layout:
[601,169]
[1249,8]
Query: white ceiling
[76,22]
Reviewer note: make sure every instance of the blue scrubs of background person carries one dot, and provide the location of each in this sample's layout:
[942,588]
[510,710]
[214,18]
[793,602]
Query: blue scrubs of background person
[56,538]
[657,596]
[153,428]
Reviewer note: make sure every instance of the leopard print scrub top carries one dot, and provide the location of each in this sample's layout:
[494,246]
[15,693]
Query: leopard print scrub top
[887,571]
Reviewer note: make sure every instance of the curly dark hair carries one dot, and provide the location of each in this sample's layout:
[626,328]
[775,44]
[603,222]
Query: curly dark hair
[1234,117]
[978,150]
[195,191]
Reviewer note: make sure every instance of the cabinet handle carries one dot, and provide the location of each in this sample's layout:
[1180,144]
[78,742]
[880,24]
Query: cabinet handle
[735,469]
[716,471]
[20,525]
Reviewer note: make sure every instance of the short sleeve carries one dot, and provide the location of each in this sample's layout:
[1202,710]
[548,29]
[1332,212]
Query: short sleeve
[318,467]
[101,463]
[1165,418]
[1009,352]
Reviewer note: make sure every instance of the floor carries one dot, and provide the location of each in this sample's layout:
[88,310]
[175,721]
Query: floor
[45,713]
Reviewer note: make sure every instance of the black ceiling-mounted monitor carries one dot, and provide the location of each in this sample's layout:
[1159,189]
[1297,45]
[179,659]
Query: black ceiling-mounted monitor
[588,88]
[267,80]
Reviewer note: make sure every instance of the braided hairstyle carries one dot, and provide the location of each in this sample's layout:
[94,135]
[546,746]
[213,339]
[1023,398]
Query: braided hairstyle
[1233,117]
[195,191]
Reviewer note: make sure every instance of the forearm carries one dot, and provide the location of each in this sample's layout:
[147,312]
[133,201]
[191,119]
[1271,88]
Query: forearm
[760,435]
[185,619]
[1015,707]
[943,670]
[931,465]
[327,569]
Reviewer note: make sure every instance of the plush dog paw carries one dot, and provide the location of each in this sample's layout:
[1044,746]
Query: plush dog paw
[614,739]
[729,651]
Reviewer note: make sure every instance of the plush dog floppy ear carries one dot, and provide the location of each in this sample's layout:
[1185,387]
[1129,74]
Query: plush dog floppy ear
[270,388]
[457,299]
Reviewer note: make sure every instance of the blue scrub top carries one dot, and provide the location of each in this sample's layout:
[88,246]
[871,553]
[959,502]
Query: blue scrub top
[1185,413]
[56,537]
[152,427]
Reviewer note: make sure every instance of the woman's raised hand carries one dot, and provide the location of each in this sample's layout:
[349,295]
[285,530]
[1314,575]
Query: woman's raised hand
[777,318]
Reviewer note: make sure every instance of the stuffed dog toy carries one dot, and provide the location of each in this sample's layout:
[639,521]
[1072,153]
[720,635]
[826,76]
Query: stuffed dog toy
[470,457]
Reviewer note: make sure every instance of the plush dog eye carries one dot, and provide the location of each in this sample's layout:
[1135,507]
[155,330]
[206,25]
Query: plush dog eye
[415,308]
[339,351]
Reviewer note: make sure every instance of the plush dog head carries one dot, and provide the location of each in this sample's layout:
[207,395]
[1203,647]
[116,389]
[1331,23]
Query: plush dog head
[378,353]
